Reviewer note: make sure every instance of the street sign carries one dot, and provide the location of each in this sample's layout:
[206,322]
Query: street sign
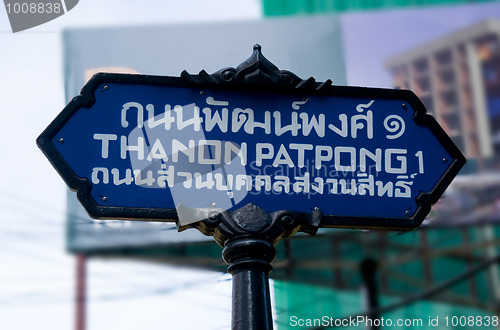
[185,148]
[250,155]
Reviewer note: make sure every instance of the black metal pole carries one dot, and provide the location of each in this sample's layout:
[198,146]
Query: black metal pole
[248,236]
[249,263]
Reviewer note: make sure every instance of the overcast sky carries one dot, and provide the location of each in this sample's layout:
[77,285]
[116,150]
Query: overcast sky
[36,276]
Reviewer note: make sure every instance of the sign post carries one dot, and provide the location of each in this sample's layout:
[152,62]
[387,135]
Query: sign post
[250,155]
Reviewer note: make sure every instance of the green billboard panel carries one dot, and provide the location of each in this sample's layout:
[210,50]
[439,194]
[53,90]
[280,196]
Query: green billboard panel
[306,306]
[294,7]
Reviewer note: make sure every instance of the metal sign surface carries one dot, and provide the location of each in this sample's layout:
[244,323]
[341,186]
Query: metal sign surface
[180,149]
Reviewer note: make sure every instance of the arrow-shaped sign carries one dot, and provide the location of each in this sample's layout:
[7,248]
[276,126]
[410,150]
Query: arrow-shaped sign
[165,148]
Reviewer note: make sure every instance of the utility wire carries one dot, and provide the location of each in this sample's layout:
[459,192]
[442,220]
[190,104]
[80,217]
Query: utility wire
[426,294]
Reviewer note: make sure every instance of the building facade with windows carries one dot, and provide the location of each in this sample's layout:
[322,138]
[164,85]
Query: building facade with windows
[457,77]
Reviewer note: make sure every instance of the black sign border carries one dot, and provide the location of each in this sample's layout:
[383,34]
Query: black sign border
[255,74]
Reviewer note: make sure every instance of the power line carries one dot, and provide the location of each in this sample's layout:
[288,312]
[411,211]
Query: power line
[428,293]
[49,297]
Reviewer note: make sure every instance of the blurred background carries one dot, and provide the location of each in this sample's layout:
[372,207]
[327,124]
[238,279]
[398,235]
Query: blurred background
[148,276]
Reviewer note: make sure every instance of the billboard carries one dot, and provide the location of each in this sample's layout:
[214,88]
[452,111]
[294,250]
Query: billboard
[307,46]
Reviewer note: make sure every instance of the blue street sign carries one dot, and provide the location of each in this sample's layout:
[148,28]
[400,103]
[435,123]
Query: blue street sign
[181,149]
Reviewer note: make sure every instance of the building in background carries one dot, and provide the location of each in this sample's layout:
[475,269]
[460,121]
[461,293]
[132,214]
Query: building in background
[457,77]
